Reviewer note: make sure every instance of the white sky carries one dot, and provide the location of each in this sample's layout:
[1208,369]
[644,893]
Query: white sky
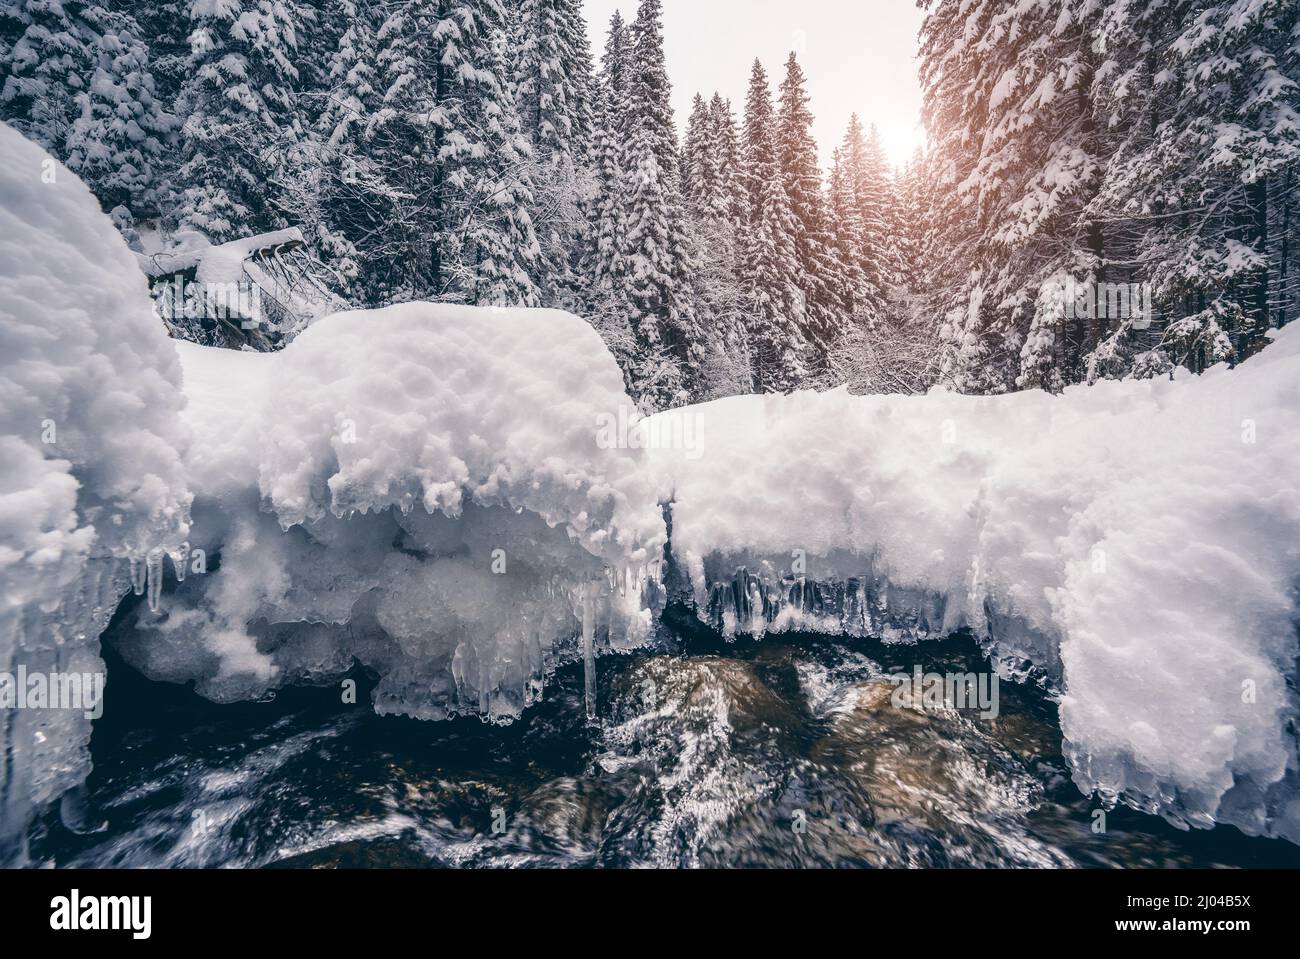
[858,55]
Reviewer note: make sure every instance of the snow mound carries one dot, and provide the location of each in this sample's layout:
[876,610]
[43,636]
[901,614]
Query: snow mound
[90,454]
[424,489]
[1137,542]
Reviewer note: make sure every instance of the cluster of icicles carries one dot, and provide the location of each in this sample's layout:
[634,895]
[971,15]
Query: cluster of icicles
[864,605]
[147,574]
[593,602]
[610,603]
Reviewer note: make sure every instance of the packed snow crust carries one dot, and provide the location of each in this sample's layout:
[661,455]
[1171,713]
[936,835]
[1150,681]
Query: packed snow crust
[91,445]
[1134,544]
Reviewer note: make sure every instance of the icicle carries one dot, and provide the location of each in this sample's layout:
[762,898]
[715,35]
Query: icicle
[137,576]
[154,578]
[180,560]
[458,671]
[588,650]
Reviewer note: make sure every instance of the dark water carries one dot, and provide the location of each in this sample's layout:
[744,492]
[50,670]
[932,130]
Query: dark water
[780,753]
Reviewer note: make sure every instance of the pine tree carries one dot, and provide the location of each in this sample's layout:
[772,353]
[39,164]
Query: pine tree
[46,63]
[552,76]
[709,159]
[604,265]
[801,175]
[487,248]
[1006,87]
[77,78]
[354,194]
[861,299]
[863,210]
[729,198]
[699,154]
[1199,186]
[445,194]
[874,185]
[657,260]
[775,307]
[241,121]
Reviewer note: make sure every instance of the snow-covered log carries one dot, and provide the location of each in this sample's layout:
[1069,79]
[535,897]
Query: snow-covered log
[424,488]
[1136,543]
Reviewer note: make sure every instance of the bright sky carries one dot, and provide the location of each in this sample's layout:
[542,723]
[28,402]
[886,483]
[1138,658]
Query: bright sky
[858,55]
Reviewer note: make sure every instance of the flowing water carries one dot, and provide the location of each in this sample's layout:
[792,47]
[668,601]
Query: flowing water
[787,752]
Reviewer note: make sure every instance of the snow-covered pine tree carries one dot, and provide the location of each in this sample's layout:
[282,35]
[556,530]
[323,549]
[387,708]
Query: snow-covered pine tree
[943,73]
[730,196]
[552,76]
[354,197]
[773,301]
[1200,187]
[488,251]
[708,165]
[699,153]
[861,300]
[446,190]
[1147,145]
[604,266]
[77,78]
[915,305]
[1006,88]
[866,199]
[388,178]
[45,67]
[819,268]
[877,193]
[657,258]
[910,206]
[120,140]
[241,120]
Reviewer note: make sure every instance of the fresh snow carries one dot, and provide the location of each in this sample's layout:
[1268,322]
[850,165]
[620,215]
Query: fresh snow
[423,488]
[1137,542]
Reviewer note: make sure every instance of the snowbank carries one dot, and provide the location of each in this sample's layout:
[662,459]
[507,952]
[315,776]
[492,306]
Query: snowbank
[1138,542]
[90,454]
[424,488]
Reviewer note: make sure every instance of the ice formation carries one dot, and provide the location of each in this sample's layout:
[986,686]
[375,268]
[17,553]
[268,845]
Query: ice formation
[1138,543]
[91,473]
[423,489]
